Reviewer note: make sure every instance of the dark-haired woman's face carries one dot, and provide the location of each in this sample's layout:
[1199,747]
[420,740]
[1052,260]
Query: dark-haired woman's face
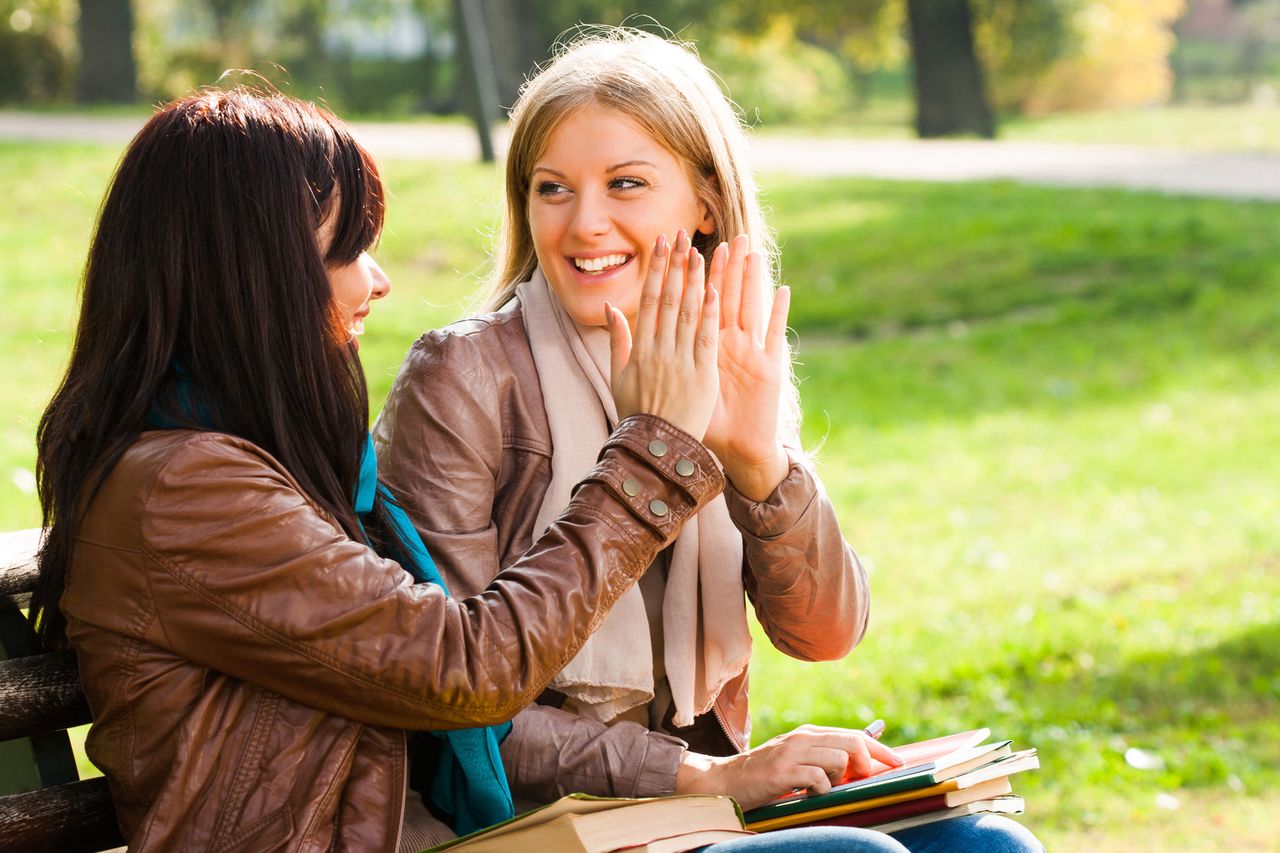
[355,285]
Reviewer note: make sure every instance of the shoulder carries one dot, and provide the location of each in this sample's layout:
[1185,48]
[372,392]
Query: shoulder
[493,344]
[479,370]
[184,474]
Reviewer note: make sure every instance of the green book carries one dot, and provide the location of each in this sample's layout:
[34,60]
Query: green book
[904,779]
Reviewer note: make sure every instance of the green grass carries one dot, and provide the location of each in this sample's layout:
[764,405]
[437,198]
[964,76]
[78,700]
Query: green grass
[1048,419]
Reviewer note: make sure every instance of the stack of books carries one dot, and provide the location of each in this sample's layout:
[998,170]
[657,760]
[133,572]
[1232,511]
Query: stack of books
[946,777]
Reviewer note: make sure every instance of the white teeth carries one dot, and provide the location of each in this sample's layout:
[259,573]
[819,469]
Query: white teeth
[599,264]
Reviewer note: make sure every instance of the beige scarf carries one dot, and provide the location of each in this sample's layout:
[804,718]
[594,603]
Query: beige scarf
[706,641]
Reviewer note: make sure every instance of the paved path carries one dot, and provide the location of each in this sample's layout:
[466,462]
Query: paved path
[1234,175]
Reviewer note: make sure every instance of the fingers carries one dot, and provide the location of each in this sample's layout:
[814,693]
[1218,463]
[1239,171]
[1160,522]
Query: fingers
[751,318]
[651,290]
[775,340]
[673,288]
[731,288]
[619,341]
[833,762]
[857,748]
[880,752]
[690,303]
[814,779]
[715,272]
[706,347]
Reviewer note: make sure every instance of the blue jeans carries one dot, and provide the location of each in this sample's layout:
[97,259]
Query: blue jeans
[986,833]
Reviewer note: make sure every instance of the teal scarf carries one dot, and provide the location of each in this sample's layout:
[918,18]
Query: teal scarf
[470,784]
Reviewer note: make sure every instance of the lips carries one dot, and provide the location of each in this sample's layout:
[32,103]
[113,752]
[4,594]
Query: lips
[357,323]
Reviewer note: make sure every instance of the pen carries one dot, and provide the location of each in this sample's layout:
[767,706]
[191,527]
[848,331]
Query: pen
[875,729]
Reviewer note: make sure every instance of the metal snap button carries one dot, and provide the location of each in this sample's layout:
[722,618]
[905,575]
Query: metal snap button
[631,487]
[657,507]
[658,447]
[685,468]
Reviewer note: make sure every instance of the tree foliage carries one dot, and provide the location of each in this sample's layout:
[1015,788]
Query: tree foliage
[826,57]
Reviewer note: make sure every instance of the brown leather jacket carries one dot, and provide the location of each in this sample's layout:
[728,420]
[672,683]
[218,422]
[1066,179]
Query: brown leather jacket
[466,416]
[251,670]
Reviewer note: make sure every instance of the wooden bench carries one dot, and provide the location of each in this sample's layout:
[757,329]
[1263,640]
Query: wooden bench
[44,806]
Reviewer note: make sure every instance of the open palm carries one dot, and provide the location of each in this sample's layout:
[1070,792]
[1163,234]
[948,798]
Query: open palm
[752,360]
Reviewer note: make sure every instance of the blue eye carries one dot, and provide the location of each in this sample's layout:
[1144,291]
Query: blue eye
[626,184]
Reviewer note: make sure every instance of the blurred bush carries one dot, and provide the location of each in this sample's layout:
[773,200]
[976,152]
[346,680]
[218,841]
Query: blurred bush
[777,79]
[37,51]
[1046,56]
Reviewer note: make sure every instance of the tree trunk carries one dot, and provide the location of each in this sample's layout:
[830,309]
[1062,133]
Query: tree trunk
[107,73]
[951,97]
[517,45]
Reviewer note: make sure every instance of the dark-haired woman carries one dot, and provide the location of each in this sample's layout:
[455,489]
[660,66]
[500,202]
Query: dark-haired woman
[238,588]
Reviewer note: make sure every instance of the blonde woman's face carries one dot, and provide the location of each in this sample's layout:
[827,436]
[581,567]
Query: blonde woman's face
[599,197]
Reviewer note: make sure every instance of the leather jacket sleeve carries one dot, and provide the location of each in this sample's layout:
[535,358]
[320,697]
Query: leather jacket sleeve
[441,433]
[808,588]
[249,578]
[551,753]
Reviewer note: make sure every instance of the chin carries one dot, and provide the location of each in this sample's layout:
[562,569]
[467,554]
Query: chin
[586,314]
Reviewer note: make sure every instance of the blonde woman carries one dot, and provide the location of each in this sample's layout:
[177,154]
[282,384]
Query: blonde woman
[621,144]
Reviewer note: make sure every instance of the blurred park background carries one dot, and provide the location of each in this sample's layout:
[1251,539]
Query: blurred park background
[1049,416]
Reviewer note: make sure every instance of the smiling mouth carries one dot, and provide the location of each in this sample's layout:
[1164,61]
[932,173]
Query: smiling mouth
[600,265]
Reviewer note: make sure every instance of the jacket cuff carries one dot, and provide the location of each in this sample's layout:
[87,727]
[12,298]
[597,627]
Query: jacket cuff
[658,471]
[778,513]
[657,776]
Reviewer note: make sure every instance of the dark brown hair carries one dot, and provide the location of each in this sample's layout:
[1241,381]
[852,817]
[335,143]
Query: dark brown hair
[205,272]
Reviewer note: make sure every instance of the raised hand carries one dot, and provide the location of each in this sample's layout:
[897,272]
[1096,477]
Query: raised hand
[810,757]
[743,431]
[669,368]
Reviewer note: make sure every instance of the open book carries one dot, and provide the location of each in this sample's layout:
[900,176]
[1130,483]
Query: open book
[580,823]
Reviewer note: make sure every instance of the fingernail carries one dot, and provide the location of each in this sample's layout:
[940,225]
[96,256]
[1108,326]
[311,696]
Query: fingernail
[608,316]
[661,245]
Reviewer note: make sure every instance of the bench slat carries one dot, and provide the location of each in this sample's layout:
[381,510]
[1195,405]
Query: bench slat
[18,562]
[40,693]
[73,818]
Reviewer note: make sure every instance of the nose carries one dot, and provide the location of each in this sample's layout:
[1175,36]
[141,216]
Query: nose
[381,283]
[590,217]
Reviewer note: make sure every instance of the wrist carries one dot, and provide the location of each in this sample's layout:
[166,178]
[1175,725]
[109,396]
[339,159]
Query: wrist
[696,774]
[756,480]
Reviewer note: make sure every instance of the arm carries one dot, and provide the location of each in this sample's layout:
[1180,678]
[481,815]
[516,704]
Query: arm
[440,447]
[809,591]
[442,433]
[248,578]
[551,753]
[794,554]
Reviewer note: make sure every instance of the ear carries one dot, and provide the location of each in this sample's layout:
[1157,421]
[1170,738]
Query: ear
[706,225]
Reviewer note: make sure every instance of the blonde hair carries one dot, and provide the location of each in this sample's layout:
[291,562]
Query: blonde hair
[663,86]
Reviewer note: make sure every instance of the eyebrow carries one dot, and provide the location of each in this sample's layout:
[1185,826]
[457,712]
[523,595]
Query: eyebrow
[623,165]
[615,167]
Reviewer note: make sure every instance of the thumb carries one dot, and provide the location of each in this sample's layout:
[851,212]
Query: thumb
[619,341]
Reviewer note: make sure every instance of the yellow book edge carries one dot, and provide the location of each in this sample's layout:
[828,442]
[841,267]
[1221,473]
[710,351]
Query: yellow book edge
[848,808]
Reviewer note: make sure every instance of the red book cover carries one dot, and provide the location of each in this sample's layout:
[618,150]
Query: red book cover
[885,814]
